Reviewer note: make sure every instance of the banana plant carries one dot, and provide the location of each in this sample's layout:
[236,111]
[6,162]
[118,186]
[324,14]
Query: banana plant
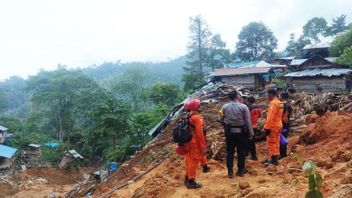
[315,180]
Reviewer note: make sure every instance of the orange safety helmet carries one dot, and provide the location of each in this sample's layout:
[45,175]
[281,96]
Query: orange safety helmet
[193,104]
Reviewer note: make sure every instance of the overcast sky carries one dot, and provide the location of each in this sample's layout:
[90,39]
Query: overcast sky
[38,34]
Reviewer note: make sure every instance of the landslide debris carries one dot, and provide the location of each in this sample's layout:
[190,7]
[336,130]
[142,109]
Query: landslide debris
[326,139]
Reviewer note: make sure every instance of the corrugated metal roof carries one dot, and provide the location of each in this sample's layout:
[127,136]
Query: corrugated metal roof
[34,145]
[331,59]
[75,154]
[6,151]
[2,128]
[318,45]
[285,58]
[298,61]
[240,71]
[319,72]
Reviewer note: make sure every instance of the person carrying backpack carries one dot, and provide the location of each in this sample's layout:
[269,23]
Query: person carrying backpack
[203,160]
[196,147]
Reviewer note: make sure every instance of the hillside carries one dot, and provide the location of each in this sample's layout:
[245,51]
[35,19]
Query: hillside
[169,71]
[157,171]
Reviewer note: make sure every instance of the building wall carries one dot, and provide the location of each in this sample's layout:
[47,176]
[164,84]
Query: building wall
[312,84]
[244,80]
[2,136]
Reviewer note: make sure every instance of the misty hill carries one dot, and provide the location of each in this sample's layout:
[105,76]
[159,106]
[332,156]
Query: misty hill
[170,71]
[13,94]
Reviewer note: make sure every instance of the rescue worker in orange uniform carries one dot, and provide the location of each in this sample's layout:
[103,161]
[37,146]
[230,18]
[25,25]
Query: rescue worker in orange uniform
[273,126]
[203,160]
[196,148]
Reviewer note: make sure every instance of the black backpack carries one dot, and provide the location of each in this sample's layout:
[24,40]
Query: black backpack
[181,132]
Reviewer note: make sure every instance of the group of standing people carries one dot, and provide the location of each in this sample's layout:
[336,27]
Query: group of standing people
[240,118]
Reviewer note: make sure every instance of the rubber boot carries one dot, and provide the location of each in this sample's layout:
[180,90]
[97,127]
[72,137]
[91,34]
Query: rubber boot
[230,174]
[240,173]
[274,160]
[191,184]
[186,180]
[206,168]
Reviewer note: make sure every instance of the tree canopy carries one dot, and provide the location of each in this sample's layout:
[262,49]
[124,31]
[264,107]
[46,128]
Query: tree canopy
[255,42]
[315,28]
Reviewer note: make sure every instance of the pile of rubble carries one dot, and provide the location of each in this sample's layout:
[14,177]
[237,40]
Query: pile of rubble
[320,104]
[157,171]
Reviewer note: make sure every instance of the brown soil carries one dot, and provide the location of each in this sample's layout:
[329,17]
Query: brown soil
[40,182]
[329,144]
[327,140]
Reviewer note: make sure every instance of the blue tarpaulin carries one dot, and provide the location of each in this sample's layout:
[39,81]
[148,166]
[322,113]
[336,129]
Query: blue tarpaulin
[6,151]
[52,144]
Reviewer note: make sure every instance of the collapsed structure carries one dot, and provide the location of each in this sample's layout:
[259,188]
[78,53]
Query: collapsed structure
[7,154]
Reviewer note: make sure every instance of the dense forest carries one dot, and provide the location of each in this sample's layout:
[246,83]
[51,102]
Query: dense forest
[105,111]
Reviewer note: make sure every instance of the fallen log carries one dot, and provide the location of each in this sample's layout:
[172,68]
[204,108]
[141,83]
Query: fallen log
[346,107]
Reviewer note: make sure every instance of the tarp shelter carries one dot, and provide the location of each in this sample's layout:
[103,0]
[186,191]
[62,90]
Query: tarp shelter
[52,144]
[6,151]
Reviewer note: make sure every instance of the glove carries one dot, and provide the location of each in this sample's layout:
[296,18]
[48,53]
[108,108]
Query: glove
[266,132]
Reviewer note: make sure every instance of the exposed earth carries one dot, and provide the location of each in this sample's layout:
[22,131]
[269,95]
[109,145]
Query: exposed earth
[157,171]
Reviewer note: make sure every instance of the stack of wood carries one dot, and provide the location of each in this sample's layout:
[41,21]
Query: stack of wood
[321,103]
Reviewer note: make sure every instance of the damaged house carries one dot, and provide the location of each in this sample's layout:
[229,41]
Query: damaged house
[253,77]
[7,160]
[318,73]
[7,153]
[31,155]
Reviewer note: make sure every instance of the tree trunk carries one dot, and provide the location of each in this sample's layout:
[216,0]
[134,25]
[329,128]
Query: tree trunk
[61,130]
[200,47]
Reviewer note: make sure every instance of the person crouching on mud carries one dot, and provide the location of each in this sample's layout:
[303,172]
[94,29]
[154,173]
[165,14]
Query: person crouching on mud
[196,148]
[237,125]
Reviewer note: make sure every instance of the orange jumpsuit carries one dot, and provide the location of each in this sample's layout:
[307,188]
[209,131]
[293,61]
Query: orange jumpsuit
[203,160]
[194,148]
[274,124]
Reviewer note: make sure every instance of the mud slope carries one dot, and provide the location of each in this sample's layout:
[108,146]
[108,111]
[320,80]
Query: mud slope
[327,140]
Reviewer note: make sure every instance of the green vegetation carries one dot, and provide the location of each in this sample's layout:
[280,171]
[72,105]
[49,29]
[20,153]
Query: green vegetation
[315,180]
[256,42]
[205,52]
[314,30]
[107,118]
[107,110]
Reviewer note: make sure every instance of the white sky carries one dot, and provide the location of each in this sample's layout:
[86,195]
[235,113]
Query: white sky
[38,34]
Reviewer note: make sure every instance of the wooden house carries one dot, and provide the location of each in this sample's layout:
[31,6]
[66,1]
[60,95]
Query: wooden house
[253,78]
[7,160]
[31,155]
[318,74]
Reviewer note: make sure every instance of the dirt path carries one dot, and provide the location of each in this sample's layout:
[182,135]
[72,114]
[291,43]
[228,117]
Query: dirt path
[167,181]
